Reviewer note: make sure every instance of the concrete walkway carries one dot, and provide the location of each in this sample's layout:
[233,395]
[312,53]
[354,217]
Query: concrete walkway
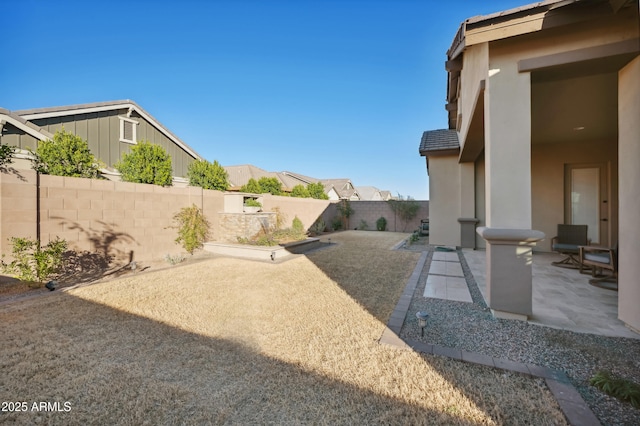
[444,281]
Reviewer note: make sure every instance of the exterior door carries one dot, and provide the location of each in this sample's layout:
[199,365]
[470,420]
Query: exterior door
[587,199]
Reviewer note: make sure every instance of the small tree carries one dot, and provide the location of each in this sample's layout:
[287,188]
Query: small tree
[300,191]
[345,210]
[406,210]
[208,175]
[6,156]
[316,190]
[252,187]
[146,163]
[193,228]
[31,262]
[65,155]
[271,185]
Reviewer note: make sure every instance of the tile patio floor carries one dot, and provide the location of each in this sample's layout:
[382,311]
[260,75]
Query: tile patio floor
[562,298]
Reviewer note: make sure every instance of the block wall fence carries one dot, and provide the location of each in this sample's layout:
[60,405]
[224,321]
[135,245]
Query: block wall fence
[129,220]
[371,211]
[121,219]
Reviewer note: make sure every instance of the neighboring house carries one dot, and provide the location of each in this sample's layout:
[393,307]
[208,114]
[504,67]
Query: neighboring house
[544,129]
[386,195]
[369,193]
[342,187]
[110,128]
[241,174]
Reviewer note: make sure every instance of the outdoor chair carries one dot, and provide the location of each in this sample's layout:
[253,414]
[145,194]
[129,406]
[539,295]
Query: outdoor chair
[598,259]
[568,242]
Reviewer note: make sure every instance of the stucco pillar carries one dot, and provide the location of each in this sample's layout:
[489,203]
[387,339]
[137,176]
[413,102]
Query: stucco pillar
[508,233]
[467,218]
[629,194]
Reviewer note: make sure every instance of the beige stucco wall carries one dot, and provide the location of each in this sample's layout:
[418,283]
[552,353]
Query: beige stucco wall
[480,211]
[629,154]
[444,200]
[308,210]
[476,69]
[507,109]
[548,180]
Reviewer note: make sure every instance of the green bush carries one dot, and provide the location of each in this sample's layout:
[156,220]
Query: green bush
[624,390]
[318,227]
[208,175]
[381,224]
[146,163]
[316,190]
[336,223]
[252,202]
[297,226]
[31,262]
[193,228]
[65,155]
[345,210]
[6,156]
[300,191]
[363,225]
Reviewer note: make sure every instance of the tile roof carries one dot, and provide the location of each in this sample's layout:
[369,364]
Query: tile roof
[439,140]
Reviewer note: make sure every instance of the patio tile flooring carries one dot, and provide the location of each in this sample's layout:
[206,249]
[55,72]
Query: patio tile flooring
[562,298]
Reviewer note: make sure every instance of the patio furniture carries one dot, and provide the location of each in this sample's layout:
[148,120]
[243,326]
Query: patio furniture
[598,259]
[567,242]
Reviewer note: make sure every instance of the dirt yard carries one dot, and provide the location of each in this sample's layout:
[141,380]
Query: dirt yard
[232,341]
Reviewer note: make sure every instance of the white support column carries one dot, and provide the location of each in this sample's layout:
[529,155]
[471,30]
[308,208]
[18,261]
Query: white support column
[508,190]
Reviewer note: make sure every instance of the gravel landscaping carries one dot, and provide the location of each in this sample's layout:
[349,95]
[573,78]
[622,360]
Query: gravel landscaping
[471,327]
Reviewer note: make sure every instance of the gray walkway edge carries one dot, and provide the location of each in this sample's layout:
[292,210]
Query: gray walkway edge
[569,399]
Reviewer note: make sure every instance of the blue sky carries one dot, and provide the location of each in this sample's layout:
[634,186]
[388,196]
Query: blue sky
[328,89]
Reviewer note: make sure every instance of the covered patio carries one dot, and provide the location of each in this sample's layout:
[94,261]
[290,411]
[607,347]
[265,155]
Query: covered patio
[562,297]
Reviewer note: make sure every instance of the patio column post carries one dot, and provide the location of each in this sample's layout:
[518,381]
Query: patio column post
[508,233]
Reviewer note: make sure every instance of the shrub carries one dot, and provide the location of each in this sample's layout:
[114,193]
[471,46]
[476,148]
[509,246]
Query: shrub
[316,190]
[146,163]
[252,187]
[624,390]
[381,224]
[252,202]
[300,191]
[208,175]
[31,262]
[297,227]
[270,185]
[404,209]
[6,156]
[318,227]
[345,210]
[193,228]
[363,225]
[336,223]
[65,155]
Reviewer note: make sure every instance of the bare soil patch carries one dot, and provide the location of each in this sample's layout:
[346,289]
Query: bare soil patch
[235,341]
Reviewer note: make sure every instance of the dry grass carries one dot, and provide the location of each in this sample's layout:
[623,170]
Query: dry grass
[235,341]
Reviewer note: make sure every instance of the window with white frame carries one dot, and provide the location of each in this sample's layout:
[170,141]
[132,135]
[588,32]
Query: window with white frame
[128,130]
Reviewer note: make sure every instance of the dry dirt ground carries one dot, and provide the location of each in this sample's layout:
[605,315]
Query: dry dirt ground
[233,341]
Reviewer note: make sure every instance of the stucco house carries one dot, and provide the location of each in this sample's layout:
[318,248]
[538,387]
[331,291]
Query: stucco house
[110,129]
[543,129]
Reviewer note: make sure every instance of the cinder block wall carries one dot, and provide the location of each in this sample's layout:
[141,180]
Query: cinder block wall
[117,218]
[371,211]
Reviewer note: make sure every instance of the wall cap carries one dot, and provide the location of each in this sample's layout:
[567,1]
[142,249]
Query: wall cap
[509,235]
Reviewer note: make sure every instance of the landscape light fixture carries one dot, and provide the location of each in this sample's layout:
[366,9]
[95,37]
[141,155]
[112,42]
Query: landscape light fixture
[422,321]
[51,285]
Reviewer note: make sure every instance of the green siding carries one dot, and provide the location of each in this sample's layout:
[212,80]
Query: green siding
[102,133]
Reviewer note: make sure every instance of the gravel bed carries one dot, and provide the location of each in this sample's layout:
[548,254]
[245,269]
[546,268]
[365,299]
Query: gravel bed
[471,327]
